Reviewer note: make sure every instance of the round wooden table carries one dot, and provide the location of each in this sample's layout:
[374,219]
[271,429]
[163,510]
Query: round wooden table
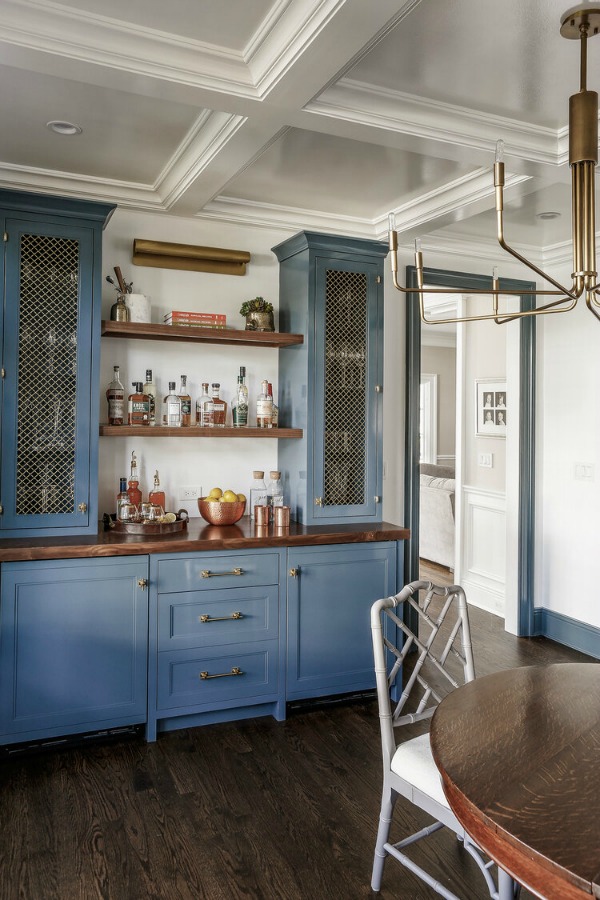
[519,756]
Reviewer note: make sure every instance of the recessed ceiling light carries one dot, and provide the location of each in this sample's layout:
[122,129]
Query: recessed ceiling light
[68,128]
[549,215]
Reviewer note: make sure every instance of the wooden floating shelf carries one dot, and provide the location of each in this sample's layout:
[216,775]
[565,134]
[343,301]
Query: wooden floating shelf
[193,431]
[148,331]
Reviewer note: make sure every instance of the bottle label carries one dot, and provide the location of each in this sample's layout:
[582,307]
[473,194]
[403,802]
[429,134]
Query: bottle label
[116,405]
[240,414]
[186,406]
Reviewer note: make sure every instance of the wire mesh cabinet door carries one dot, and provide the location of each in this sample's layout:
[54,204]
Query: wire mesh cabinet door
[49,435]
[347,427]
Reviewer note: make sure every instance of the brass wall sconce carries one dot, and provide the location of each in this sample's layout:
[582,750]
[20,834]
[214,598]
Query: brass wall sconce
[163,255]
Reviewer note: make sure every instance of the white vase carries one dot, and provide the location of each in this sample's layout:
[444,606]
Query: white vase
[139,307]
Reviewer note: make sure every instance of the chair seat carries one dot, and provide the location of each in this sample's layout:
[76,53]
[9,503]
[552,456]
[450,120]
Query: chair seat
[414,763]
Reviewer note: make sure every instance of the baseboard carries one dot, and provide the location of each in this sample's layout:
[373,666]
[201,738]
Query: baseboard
[570,632]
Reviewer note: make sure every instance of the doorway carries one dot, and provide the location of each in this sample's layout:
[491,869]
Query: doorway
[520,465]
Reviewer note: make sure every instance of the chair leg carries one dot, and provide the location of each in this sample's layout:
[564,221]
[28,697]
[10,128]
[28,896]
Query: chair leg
[388,801]
[507,888]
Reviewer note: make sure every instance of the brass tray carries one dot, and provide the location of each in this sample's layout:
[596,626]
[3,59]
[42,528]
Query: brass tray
[153,528]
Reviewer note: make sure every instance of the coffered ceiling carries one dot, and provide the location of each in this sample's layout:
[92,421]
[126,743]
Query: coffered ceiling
[301,113]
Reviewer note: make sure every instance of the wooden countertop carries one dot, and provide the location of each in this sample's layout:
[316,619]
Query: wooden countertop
[199,536]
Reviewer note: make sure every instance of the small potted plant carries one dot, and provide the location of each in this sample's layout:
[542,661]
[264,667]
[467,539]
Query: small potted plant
[259,314]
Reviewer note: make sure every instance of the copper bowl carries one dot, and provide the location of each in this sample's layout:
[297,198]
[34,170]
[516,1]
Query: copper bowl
[218,513]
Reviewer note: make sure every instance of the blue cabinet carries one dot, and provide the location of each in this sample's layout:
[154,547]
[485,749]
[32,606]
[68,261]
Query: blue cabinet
[50,331]
[216,626]
[330,592]
[73,646]
[331,290]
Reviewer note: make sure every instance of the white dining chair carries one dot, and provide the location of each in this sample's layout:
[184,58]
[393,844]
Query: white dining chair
[432,660]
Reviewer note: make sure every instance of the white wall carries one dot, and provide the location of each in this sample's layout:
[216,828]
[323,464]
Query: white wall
[568,435]
[441,361]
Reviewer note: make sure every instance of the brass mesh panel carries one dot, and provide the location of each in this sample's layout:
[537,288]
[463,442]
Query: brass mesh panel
[345,388]
[47,368]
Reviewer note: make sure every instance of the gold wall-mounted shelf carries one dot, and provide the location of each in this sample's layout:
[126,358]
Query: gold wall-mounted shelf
[163,255]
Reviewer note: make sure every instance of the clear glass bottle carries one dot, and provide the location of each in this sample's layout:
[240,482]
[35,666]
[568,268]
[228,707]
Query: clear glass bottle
[150,390]
[274,491]
[274,407]
[138,406]
[172,408]
[264,407]
[122,501]
[115,394]
[258,491]
[133,490]
[186,403]
[204,406]
[239,405]
[156,496]
[219,406]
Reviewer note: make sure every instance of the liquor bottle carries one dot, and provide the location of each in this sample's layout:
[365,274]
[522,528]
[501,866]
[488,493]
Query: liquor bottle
[274,407]
[204,407]
[186,403]
[122,501]
[150,389]
[219,406]
[274,492]
[156,496]
[133,490]
[115,394]
[239,405]
[138,409]
[264,407]
[172,408]
[258,491]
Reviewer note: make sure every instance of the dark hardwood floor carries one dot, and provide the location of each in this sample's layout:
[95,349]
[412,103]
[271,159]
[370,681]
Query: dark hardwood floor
[255,809]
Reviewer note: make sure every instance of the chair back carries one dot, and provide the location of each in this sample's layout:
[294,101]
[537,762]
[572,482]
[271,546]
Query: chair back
[415,669]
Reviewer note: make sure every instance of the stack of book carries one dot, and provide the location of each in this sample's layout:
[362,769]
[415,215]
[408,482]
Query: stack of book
[196,319]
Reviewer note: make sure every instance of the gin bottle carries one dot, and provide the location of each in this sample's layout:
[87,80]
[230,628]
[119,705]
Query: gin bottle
[172,408]
[239,406]
[186,403]
[264,407]
[204,408]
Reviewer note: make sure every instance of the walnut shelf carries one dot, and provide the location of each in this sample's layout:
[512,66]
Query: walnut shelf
[148,331]
[195,432]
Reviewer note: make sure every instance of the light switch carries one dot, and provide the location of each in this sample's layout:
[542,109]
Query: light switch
[486,460]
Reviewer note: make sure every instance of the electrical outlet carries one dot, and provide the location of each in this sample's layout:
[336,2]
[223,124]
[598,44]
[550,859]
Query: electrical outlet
[190,491]
[486,460]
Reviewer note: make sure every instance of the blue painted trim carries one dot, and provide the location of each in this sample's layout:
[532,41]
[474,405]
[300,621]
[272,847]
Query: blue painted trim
[570,632]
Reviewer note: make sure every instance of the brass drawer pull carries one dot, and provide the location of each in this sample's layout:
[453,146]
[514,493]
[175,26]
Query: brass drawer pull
[206,573]
[206,618]
[235,671]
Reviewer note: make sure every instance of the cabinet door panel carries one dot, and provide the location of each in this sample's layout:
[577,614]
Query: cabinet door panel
[329,602]
[73,646]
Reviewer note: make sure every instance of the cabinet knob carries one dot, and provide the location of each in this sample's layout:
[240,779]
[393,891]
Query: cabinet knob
[293,573]
[378,388]
[377,498]
[82,507]
[142,582]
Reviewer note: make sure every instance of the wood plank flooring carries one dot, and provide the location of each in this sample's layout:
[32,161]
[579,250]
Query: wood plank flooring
[256,809]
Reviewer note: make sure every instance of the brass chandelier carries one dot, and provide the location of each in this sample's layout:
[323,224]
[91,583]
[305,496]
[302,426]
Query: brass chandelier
[578,23]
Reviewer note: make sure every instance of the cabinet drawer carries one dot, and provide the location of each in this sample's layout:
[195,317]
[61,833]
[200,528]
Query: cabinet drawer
[180,681]
[208,618]
[222,570]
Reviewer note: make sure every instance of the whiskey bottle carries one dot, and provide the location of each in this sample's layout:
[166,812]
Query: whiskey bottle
[239,406]
[150,390]
[122,501]
[219,406]
[172,408]
[204,407]
[115,394]
[156,496]
[138,410]
[264,407]
[274,407]
[186,403]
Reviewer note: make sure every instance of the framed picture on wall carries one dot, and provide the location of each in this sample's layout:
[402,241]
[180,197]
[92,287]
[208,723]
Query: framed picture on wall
[490,412]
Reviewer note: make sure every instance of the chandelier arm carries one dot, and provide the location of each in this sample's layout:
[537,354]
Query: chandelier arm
[574,294]
[547,309]
[591,304]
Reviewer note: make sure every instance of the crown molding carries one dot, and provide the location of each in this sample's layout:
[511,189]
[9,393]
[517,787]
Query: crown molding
[49,27]
[379,107]
[432,338]
[270,215]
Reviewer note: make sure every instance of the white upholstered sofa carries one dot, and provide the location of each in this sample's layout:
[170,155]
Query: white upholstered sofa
[436,514]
